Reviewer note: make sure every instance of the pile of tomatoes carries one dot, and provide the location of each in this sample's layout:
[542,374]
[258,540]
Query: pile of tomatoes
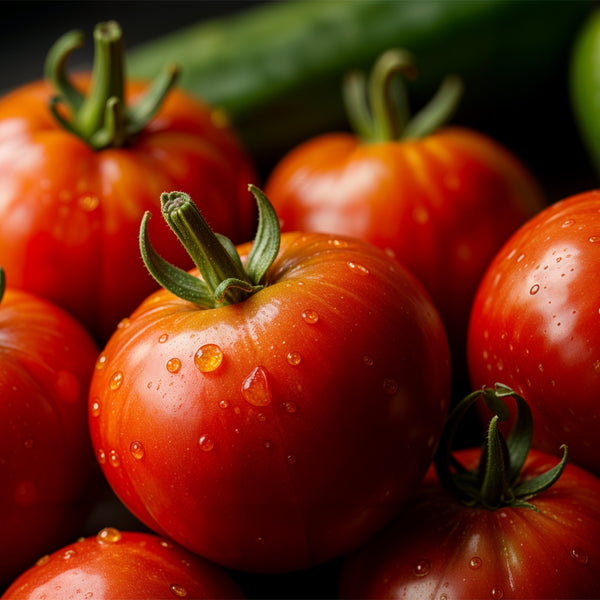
[247,389]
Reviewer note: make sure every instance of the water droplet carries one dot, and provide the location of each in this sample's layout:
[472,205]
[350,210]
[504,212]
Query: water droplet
[594,239]
[497,593]
[520,257]
[113,458]
[223,404]
[339,243]
[100,362]
[255,388]
[108,535]
[165,544]
[568,223]
[357,268]
[40,562]
[267,444]
[294,358]
[261,417]
[67,386]
[475,562]
[597,367]
[534,289]
[95,407]
[67,554]
[310,316]
[123,323]
[88,202]
[422,568]
[290,406]
[101,456]
[178,590]
[29,443]
[291,459]
[116,380]
[137,450]
[390,386]
[367,360]
[208,358]
[206,443]
[173,365]
[163,338]
[580,555]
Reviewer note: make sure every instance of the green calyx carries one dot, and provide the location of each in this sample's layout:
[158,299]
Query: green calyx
[101,118]
[377,107]
[225,279]
[496,482]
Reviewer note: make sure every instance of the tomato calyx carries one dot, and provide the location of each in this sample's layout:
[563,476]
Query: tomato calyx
[225,280]
[102,118]
[497,480]
[377,106]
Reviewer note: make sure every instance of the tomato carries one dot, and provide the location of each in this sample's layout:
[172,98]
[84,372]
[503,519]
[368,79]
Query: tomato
[444,547]
[264,432]
[71,201]
[125,565]
[46,459]
[442,200]
[535,324]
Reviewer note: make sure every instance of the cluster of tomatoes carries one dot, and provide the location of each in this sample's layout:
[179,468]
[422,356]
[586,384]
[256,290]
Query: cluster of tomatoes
[272,386]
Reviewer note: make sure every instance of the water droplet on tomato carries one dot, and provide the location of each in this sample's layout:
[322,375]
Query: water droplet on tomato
[422,568]
[534,289]
[580,555]
[291,459]
[206,443]
[67,554]
[113,458]
[594,239]
[338,243]
[95,408]
[29,443]
[256,389]
[165,544]
[101,456]
[178,590]
[123,323]
[67,386]
[223,404]
[40,562]
[88,202]
[173,365]
[390,386]
[294,358]
[475,562]
[310,316]
[100,362]
[367,360]
[596,366]
[568,223]
[108,535]
[116,380]
[208,358]
[163,338]
[290,406]
[137,450]
[357,268]
[497,593]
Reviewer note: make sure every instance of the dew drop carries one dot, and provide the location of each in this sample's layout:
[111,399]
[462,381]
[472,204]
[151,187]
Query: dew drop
[290,406]
[596,366]
[137,450]
[206,443]
[163,338]
[390,386]
[173,365]
[255,388]
[116,380]
[113,458]
[367,360]
[475,562]
[357,268]
[29,443]
[568,223]
[594,239]
[100,362]
[40,562]
[294,358]
[581,556]
[95,407]
[67,554]
[497,593]
[101,456]
[108,535]
[165,544]
[178,590]
[339,243]
[267,444]
[310,316]
[223,404]
[422,568]
[534,289]
[88,202]
[291,459]
[208,358]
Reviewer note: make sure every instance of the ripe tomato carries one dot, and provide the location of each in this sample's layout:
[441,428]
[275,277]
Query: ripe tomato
[442,547]
[124,565]
[442,200]
[267,433]
[535,324]
[70,207]
[46,460]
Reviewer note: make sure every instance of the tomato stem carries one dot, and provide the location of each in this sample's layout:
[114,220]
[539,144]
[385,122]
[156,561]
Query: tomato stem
[102,118]
[378,108]
[225,280]
[496,482]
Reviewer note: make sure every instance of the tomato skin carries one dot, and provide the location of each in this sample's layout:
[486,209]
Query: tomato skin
[46,459]
[70,215]
[125,565]
[534,325]
[440,548]
[353,372]
[442,205]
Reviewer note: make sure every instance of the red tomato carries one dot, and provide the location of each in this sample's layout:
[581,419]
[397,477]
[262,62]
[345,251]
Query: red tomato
[442,203]
[46,460]
[440,548]
[122,565]
[70,213]
[535,325]
[267,434]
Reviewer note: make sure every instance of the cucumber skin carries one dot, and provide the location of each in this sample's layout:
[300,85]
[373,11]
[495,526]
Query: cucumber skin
[276,68]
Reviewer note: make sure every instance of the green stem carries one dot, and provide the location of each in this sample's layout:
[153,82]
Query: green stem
[496,481]
[101,118]
[378,108]
[225,280]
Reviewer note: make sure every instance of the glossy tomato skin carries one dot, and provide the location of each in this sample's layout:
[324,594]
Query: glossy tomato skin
[268,435]
[46,459]
[442,205]
[534,325]
[440,548]
[124,565]
[70,215]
